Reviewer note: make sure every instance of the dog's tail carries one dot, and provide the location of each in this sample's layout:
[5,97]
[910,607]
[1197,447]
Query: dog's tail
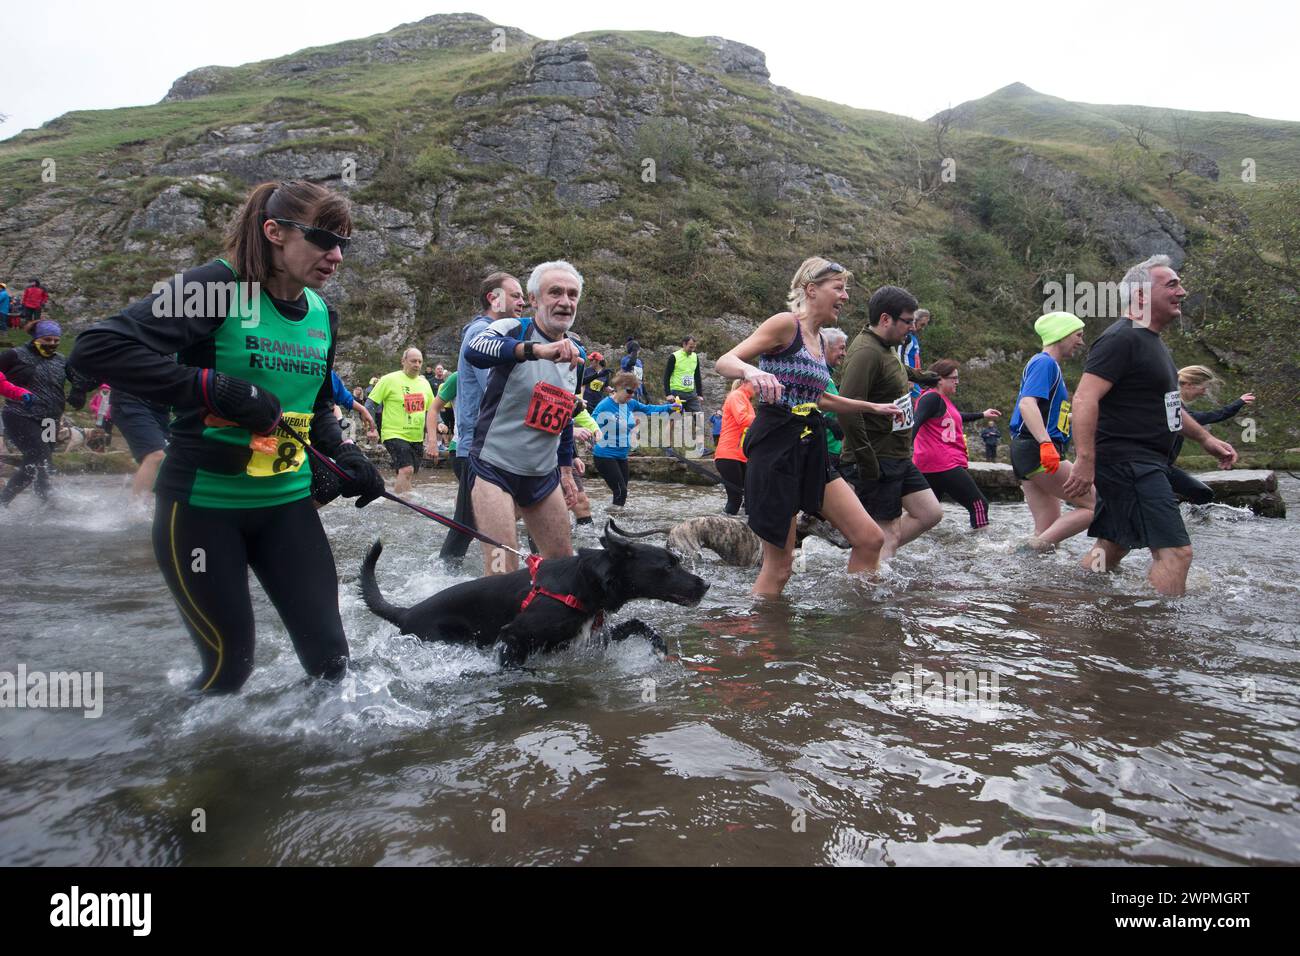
[370,589]
[636,534]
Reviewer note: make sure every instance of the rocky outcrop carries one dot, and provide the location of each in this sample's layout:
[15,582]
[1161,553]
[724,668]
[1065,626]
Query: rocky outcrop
[560,69]
[733,57]
[1128,231]
[254,152]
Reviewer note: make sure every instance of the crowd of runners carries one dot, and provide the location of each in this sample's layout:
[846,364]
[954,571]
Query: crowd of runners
[219,410]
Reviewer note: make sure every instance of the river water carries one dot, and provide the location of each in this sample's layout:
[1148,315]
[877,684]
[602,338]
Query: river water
[1104,725]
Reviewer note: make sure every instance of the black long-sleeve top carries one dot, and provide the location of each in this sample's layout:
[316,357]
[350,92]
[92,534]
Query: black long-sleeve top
[1207,418]
[158,359]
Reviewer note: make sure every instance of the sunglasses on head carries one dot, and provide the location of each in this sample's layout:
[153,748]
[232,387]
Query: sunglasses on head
[830,268]
[321,238]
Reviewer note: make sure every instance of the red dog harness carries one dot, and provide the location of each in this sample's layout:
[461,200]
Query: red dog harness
[534,562]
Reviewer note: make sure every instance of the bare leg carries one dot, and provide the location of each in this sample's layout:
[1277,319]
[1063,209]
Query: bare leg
[1067,525]
[1103,556]
[142,483]
[1044,507]
[403,484]
[921,512]
[548,523]
[1169,567]
[778,564]
[841,507]
[494,516]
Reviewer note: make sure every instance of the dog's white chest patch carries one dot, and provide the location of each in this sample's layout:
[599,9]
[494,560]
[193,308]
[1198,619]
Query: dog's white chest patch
[584,632]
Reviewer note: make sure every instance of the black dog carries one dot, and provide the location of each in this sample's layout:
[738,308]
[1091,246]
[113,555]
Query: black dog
[499,610]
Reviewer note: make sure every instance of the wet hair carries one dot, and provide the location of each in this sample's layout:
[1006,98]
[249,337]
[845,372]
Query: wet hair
[944,367]
[810,267]
[247,247]
[624,380]
[890,300]
[491,284]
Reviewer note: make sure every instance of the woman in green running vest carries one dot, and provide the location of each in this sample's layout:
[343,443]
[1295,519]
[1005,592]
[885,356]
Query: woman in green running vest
[242,349]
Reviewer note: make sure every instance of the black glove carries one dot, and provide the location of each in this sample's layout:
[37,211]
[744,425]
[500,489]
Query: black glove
[238,401]
[77,399]
[834,428]
[364,483]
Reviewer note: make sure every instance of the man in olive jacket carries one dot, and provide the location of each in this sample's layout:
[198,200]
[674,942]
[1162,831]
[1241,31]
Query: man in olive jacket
[878,451]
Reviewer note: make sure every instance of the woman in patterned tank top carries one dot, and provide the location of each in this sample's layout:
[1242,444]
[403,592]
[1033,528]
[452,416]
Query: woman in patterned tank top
[788,468]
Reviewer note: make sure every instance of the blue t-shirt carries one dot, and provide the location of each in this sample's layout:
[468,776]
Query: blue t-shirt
[716,421]
[616,424]
[1044,381]
[341,394]
[909,353]
[469,388]
[4,302]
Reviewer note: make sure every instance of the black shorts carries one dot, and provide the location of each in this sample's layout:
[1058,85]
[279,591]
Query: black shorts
[690,401]
[1136,507]
[526,490]
[405,454]
[144,426]
[1026,459]
[30,313]
[1187,488]
[883,496]
[958,485]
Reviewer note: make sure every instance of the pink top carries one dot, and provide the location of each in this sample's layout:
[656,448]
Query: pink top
[940,443]
[9,390]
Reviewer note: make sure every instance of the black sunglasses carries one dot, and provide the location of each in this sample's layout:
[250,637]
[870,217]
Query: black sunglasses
[830,268]
[321,238]
[630,391]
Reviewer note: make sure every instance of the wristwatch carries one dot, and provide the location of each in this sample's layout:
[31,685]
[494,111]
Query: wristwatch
[528,351]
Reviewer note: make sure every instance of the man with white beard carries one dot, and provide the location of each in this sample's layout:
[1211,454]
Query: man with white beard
[522,453]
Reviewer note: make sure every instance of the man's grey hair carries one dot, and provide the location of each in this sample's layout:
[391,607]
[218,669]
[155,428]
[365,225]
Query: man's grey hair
[921,312]
[835,336]
[535,280]
[410,350]
[1139,277]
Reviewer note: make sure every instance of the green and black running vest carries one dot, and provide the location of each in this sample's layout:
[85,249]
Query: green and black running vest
[287,357]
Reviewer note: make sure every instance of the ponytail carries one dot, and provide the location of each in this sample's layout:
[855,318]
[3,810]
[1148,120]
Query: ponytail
[247,247]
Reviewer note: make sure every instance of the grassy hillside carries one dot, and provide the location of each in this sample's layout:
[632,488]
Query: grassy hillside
[750,180]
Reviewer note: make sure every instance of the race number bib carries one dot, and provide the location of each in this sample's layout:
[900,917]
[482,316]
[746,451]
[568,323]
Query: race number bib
[686,382]
[413,402]
[550,408]
[1063,419]
[909,416]
[289,453]
[1174,411]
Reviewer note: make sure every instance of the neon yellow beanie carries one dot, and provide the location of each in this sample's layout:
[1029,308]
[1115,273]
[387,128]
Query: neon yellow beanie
[1055,326]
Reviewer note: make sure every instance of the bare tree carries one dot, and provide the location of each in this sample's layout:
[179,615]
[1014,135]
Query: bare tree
[1183,156]
[1138,125]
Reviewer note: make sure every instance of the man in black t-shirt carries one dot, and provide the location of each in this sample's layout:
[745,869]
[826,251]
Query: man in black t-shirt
[1127,416]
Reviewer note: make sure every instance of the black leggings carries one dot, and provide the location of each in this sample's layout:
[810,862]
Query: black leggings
[733,476]
[614,471]
[204,555]
[958,485]
[456,544]
[25,433]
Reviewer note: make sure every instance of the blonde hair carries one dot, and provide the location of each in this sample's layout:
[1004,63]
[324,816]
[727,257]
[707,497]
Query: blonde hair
[798,297]
[1197,375]
[624,380]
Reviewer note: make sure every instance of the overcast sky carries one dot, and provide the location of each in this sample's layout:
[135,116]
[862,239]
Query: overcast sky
[913,58]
